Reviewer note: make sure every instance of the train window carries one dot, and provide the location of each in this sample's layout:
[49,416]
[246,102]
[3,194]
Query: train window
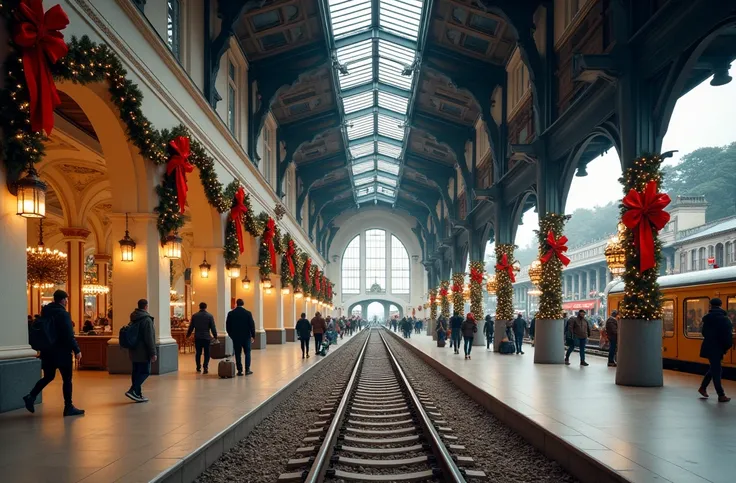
[695,309]
[668,318]
[731,309]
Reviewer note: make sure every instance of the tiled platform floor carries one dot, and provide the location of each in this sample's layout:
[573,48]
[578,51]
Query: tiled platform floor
[118,440]
[646,434]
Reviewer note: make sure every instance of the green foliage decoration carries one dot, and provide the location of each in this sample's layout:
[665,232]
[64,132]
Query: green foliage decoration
[550,284]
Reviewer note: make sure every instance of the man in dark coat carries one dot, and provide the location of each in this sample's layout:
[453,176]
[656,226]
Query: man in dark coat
[304,333]
[144,353]
[59,356]
[717,339]
[612,333]
[241,328]
[456,323]
[488,331]
[202,324]
[519,327]
[319,327]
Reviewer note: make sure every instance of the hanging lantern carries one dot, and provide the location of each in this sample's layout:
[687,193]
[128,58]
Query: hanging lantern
[31,195]
[268,290]
[535,272]
[616,253]
[172,247]
[298,293]
[266,282]
[246,280]
[204,268]
[127,245]
[285,291]
[466,292]
[234,270]
[491,284]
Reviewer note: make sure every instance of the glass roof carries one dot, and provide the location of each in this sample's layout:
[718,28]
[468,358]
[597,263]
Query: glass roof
[376,50]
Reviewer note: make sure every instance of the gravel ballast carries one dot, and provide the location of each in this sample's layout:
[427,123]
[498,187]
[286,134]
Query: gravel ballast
[501,453]
[263,454]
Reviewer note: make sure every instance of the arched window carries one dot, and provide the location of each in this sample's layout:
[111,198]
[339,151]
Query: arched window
[400,271]
[375,259]
[376,310]
[351,267]
[701,259]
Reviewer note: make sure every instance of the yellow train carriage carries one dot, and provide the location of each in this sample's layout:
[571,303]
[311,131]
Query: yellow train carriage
[686,300]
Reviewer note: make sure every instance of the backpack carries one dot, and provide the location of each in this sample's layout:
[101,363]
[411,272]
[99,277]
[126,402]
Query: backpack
[42,333]
[129,336]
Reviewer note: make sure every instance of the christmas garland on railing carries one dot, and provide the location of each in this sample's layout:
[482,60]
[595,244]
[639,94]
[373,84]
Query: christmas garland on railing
[504,280]
[458,285]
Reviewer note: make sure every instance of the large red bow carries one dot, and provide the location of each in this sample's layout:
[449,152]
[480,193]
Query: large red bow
[179,165]
[457,288]
[307,275]
[37,34]
[316,281]
[504,266]
[237,214]
[556,247]
[443,292]
[290,252]
[476,275]
[644,211]
[268,239]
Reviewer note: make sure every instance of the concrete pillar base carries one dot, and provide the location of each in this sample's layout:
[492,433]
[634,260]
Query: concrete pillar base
[640,353]
[275,336]
[290,335]
[549,345]
[167,360]
[499,332]
[17,377]
[223,349]
[479,339]
[260,342]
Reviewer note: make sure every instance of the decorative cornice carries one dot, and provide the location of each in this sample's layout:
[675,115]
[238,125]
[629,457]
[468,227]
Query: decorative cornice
[101,257]
[74,233]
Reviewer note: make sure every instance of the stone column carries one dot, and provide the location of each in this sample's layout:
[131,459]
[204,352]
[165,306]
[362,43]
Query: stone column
[74,239]
[103,270]
[273,320]
[215,292]
[608,276]
[290,315]
[146,277]
[580,286]
[598,287]
[253,298]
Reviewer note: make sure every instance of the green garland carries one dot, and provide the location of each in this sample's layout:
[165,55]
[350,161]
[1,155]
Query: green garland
[550,300]
[264,254]
[504,288]
[306,281]
[642,296]
[286,278]
[299,260]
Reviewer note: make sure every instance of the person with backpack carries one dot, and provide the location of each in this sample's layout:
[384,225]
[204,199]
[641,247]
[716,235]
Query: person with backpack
[304,333]
[717,340]
[241,328]
[202,324]
[53,335]
[488,331]
[143,351]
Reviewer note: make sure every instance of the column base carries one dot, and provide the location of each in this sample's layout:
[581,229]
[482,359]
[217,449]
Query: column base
[167,359]
[290,334]
[549,344]
[223,349]
[17,377]
[275,336]
[499,332]
[260,342]
[640,353]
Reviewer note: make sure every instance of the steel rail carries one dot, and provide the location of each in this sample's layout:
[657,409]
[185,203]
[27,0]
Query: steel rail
[321,461]
[450,471]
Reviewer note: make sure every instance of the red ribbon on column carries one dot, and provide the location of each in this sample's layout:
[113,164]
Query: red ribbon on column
[504,266]
[307,269]
[179,165]
[556,247]
[38,36]
[268,238]
[476,275]
[645,211]
[443,292]
[457,288]
[290,252]
[237,214]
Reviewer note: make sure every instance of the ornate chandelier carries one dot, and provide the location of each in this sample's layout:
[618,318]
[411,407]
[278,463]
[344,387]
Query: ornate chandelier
[615,253]
[491,284]
[95,289]
[535,272]
[46,268]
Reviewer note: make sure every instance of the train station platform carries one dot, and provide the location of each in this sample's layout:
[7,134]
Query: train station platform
[190,420]
[597,430]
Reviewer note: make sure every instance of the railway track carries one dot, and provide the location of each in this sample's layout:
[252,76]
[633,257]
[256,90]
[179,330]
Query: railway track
[378,429]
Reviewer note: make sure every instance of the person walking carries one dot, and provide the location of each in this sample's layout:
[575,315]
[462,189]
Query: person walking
[319,327]
[579,328]
[456,323]
[59,355]
[144,352]
[202,324]
[612,333]
[717,339]
[519,327]
[488,331]
[241,328]
[469,328]
[304,333]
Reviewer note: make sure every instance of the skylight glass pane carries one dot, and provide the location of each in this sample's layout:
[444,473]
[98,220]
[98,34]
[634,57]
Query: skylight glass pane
[366,180]
[361,127]
[401,17]
[357,58]
[366,190]
[358,101]
[386,180]
[388,149]
[363,167]
[348,16]
[389,127]
[392,61]
[386,191]
[362,149]
[387,167]
[393,102]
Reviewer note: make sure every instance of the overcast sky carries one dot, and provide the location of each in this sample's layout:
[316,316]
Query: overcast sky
[703,117]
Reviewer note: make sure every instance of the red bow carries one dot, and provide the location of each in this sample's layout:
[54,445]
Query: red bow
[457,288]
[37,34]
[505,267]
[316,280]
[179,165]
[268,239]
[556,247]
[432,299]
[307,269]
[443,292]
[476,275]
[290,251]
[237,214]
[644,211]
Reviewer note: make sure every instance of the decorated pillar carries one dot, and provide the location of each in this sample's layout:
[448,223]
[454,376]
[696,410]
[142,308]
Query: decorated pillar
[505,277]
[444,293]
[102,261]
[289,264]
[477,269]
[74,239]
[433,313]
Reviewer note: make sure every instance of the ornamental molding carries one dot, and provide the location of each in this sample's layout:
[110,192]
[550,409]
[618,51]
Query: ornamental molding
[74,233]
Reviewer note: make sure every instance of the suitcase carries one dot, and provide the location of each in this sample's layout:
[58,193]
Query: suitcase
[226,369]
[441,343]
[507,347]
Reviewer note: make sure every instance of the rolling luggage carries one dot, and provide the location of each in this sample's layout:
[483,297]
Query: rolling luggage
[441,343]
[226,369]
[507,347]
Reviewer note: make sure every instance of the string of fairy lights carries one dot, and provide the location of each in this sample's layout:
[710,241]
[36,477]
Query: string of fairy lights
[458,286]
[550,282]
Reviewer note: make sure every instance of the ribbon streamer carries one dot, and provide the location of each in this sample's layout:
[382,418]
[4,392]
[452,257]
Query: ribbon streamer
[645,211]
[556,248]
[179,166]
[237,214]
[290,252]
[268,238]
[504,266]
